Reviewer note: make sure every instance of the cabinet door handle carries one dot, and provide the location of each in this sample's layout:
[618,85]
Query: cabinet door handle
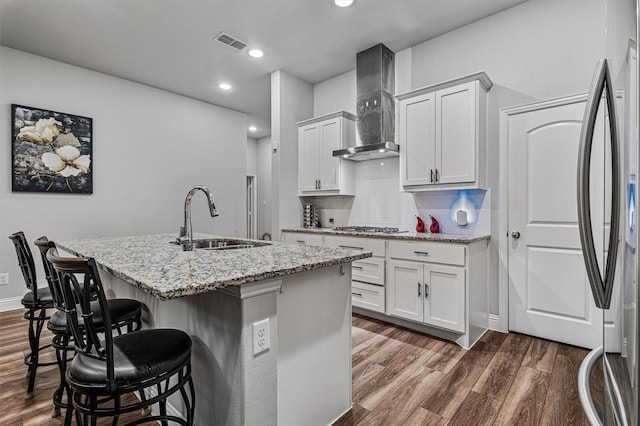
[352,247]
[426,290]
[436,175]
[431,175]
[419,290]
[319,184]
[421,253]
[356,294]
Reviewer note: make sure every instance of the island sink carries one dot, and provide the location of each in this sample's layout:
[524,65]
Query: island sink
[223,244]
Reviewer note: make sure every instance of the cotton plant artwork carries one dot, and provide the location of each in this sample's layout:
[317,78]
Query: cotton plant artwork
[52,151]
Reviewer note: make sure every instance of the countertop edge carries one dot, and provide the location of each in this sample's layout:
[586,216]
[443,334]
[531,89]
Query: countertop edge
[407,236]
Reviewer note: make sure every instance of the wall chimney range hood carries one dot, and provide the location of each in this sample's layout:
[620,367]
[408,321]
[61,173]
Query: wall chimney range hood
[375,108]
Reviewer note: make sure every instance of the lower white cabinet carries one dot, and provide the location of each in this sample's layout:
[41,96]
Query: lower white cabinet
[427,293]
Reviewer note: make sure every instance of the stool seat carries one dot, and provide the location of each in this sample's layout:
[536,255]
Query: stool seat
[137,357]
[44,300]
[121,311]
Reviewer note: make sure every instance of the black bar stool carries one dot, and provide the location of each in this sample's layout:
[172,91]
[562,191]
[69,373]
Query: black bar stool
[155,363]
[125,315]
[36,301]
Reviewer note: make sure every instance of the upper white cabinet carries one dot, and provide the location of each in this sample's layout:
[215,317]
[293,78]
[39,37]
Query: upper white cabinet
[319,173]
[442,134]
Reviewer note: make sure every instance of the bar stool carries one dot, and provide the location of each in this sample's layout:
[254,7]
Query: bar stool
[125,314]
[36,301]
[154,363]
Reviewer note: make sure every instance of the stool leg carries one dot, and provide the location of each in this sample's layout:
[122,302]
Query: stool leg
[34,343]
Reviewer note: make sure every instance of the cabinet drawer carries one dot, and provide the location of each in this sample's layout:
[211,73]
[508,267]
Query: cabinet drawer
[376,246]
[367,296]
[370,270]
[452,254]
[302,239]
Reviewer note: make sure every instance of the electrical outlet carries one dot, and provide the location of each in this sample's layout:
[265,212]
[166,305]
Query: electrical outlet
[4,279]
[261,336]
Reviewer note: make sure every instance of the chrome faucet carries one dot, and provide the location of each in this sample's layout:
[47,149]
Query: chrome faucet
[186,232]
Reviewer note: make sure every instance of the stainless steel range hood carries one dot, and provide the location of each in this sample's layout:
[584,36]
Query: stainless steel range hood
[375,115]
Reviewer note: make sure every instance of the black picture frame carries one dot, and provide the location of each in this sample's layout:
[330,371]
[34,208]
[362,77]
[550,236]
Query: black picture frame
[51,151]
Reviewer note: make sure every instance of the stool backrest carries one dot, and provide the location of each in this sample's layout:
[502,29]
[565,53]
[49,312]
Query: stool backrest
[25,260]
[77,298]
[44,245]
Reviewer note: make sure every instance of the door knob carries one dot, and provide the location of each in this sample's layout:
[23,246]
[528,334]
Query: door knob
[515,235]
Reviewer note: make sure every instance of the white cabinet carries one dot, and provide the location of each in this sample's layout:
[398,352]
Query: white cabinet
[319,173]
[367,275]
[302,239]
[428,293]
[442,134]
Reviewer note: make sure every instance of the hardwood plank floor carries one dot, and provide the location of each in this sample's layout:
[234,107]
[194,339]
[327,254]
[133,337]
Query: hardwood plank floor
[402,377]
[15,410]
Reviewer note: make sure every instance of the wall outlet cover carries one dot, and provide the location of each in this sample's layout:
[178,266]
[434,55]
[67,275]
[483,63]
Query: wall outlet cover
[4,279]
[261,340]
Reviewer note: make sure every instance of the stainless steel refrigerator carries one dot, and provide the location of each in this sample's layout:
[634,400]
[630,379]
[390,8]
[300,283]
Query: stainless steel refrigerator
[612,267]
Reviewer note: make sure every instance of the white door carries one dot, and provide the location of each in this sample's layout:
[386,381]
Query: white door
[308,144]
[549,293]
[330,140]
[444,297]
[456,134]
[418,137]
[405,286]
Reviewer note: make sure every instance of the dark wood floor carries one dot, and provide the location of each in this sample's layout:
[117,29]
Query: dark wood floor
[400,377]
[15,410]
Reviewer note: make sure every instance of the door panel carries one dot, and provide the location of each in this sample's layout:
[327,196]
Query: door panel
[419,136]
[404,290]
[330,141]
[309,154]
[445,297]
[455,133]
[549,294]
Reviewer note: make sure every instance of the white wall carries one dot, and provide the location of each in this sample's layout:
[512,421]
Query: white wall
[265,205]
[252,156]
[335,94]
[150,148]
[291,101]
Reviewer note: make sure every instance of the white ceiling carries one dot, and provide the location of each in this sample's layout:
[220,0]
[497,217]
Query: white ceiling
[169,44]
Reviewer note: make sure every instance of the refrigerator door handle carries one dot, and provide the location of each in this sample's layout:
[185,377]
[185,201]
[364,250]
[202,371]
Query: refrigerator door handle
[601,288]
[584,390]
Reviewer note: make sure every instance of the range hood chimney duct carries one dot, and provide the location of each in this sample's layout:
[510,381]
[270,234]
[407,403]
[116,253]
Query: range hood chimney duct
[375,115]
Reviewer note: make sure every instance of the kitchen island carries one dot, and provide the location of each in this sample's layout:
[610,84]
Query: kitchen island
[300,296]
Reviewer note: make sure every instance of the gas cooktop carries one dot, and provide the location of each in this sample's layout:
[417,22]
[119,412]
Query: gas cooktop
[379,229]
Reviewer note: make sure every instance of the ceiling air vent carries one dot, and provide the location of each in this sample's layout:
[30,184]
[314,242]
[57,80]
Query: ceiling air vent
[231,41]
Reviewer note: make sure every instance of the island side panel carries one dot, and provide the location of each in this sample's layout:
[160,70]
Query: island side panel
[314,346]
[232,386]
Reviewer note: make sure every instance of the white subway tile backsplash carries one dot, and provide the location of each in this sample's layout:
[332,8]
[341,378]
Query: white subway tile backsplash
[379,201]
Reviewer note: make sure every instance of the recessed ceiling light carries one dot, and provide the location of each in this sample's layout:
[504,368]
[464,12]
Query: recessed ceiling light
[343,3]
[252,128]
[256,53]
[225,86]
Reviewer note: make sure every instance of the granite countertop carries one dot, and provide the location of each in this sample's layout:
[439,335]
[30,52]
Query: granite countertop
[409,236]
[156,266]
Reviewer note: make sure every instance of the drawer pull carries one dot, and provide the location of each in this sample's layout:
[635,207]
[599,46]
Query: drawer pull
[357,294]
[357,267]
[300,241]
[352,247]
[421,253]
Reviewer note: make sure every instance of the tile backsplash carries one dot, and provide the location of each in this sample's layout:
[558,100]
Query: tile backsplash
[379,201]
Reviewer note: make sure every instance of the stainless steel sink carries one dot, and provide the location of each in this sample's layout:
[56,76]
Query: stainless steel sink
[225,244]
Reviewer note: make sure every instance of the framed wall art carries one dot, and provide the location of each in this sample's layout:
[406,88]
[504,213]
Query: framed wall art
[51,151]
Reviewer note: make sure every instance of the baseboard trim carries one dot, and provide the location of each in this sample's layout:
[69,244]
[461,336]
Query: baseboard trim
[10,304]
[496,324]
